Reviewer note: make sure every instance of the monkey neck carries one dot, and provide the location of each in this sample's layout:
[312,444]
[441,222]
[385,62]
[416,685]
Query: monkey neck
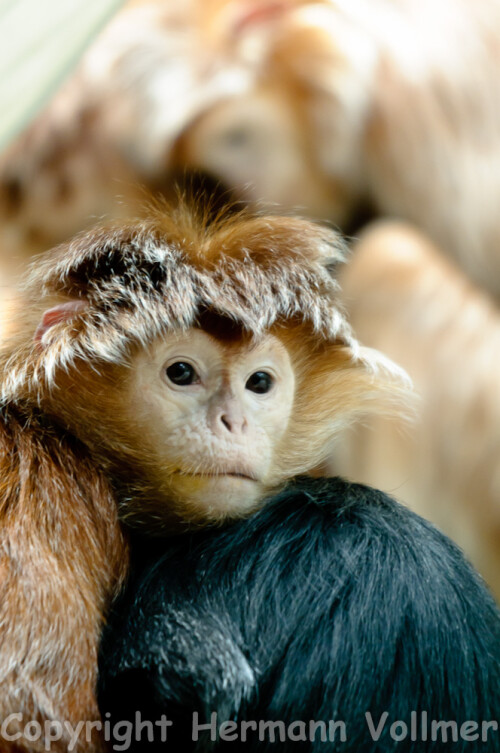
[62,558]
[143,506]
[50,479]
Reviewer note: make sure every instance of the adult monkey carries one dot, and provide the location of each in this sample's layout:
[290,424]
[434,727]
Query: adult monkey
[142,341]
[323,105]
[333,619]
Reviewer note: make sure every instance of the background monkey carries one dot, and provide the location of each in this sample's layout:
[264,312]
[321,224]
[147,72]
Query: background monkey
[142,341]
[404,297]
[386,106]
[326,106]
[301,103]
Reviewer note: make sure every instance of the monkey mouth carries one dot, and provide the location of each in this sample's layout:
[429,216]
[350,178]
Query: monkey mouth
[220,474]
[234,474]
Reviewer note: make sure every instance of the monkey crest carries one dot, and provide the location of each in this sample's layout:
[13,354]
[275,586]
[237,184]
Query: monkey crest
[201,364]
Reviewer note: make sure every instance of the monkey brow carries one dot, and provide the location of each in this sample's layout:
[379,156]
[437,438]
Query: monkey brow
[221,327]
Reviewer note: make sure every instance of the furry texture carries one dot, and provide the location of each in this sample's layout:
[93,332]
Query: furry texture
[70,457]
[394,104]
[142,279]
[331,602]
[320,105]
[62,559]
[404,297]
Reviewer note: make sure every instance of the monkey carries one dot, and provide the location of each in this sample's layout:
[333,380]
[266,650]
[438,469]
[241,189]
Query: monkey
[403,296]
[327,106]
[331,603]
[167,373]
[386,108]
[247,88]
[337,109]
[83,157]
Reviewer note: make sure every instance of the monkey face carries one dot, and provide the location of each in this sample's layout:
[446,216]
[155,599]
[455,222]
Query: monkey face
[255,147]
[211,413]
[201,424]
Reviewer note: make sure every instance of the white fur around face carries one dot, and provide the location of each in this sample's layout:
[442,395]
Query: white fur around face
[214,438]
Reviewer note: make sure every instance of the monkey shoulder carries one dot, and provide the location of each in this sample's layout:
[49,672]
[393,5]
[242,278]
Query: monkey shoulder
[333,599]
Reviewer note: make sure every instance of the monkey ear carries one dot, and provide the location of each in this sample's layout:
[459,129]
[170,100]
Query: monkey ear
[267,11]
[60,313]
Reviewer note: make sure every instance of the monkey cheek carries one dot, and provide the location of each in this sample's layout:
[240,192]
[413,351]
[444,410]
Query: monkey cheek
[213,498]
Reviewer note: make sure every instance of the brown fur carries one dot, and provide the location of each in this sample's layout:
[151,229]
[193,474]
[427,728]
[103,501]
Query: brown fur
[388,103]
[69,459]
[62,558]
[394,104]
[404,298]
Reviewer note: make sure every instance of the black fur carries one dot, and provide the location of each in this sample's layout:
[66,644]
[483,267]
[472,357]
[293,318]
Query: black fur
[331,602]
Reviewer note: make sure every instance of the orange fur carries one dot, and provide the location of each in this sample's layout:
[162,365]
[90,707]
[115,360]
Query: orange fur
[62,558]
[404,298]
[394,104]
[321,105]
[71,462]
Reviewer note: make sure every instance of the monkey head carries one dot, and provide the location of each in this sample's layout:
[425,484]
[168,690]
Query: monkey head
[213,411]
[202,363]
[294,135]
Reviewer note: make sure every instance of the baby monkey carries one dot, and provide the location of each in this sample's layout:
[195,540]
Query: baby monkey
[167,372]
[212,405]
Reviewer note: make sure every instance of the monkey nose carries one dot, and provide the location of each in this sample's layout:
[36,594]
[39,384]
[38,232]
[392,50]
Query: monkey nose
[225,420]
[234,424]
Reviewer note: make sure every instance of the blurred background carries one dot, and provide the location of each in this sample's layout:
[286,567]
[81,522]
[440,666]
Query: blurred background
[381,117]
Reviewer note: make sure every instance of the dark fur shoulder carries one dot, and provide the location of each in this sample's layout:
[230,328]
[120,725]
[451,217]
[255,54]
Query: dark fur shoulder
[331,602]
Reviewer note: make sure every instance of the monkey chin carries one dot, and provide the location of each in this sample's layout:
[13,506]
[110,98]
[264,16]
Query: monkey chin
[217,497]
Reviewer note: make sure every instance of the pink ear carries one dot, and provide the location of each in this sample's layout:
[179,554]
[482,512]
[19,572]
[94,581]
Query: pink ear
[265,12]
[60,313]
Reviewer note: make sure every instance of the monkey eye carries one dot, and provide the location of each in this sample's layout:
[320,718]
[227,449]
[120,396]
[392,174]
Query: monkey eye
[237,137]
[259,382]
[182,374]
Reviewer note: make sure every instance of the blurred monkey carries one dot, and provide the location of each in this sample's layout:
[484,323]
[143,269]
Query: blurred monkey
[406,299]
[324,105]
[391,103]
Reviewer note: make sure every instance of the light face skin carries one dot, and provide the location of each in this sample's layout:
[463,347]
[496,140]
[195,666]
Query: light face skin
[254,146]
[212,411]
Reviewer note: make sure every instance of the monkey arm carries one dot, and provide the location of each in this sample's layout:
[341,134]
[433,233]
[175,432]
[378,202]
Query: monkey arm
[62,557]
[331,602]
[194,661]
